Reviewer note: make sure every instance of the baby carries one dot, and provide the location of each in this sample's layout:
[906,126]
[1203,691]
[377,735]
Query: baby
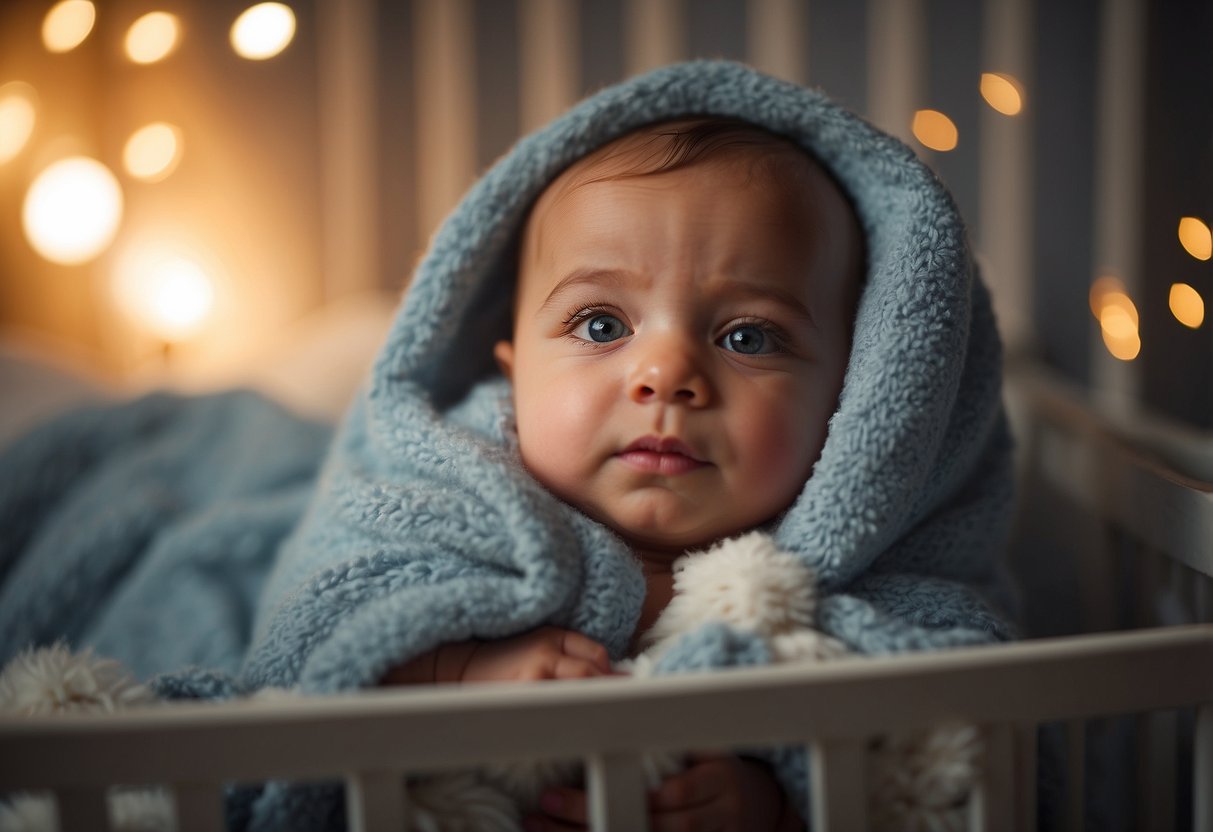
[716,302]
[681,329]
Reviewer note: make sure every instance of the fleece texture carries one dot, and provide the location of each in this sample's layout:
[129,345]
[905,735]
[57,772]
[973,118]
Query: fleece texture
[144,530]
[423,527]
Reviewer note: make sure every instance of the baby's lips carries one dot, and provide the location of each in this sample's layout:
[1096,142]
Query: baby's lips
[663,445]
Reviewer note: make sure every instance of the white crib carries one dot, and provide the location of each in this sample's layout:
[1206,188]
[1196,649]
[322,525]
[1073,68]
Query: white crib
[370,740]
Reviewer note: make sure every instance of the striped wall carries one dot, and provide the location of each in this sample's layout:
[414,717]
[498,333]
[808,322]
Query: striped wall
[460,80]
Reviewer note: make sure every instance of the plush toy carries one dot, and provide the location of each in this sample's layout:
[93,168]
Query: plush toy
[918,782]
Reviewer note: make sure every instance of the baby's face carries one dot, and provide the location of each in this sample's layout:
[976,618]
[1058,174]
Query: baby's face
[679,344]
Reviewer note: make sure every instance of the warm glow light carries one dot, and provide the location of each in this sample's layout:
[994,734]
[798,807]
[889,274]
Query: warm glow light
[1102,286]
[152,151]
[1194,236]
[1187,305]
[17,116]
[934,130]
[72,210]
[1126,349]
[1118,320]
[263,31]
[152,37]
[1119,305]
[169,295]
[67,24]
[1001,92]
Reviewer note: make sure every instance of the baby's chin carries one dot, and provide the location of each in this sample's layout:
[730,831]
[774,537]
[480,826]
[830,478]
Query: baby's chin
[671,541]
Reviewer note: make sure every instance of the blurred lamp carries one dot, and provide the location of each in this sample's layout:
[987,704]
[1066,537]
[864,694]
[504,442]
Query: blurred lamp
[1103,285]
[1118,321]
[1187,305]
[152,37]
[1194,236]
[72,210]
[1001,92]
[67,24]
[934,130]
[262,31]
[152,152]
[170,296]
[17,116]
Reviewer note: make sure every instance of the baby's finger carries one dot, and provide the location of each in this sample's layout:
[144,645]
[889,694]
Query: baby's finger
[567,667]
[583,647]
[565,805]
[696,786]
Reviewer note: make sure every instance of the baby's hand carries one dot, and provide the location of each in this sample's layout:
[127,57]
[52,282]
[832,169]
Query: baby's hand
[719,792]
[546,653]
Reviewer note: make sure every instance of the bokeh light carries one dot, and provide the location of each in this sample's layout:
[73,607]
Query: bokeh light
[67,24]
[1194,236]
[1100,288]
[1002,92]
[262,31]
[18,114]
[1187,305]
[934,130]
[72,210]
[152,37]
[167,294]
[153,151]
[1118,320]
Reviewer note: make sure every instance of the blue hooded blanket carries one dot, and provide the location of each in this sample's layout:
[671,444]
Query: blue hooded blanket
[423,527]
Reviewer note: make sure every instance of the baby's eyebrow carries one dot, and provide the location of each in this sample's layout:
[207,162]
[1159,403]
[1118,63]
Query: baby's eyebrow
[759,291]
[590,276]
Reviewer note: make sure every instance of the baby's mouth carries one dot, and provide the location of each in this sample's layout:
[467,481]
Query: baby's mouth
[657,455]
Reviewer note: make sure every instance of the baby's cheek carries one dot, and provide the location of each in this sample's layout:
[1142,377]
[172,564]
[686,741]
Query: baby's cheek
[556,439]
[783,448]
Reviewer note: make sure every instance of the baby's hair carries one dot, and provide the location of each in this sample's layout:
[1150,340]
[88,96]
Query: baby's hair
[672,145]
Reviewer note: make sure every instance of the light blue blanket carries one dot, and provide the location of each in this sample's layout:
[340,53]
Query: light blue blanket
[422,526]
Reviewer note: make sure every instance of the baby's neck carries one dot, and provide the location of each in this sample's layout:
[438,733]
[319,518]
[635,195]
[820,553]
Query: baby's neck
[659,589]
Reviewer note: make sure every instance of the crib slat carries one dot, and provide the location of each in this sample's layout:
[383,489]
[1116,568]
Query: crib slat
[1025,777]
[1157,734]
[615,785]
[1076,774]
[992,805]
[375,800]
[837,785]
[1202,769]
[199,807]
[82,809]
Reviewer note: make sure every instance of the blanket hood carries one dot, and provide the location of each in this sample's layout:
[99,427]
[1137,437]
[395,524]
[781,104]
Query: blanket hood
[919,423]
[422,531]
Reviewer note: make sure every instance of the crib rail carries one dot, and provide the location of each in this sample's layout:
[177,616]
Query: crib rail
[372,738]
[1099,463]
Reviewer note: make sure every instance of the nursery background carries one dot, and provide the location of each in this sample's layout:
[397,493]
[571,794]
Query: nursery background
[186,186]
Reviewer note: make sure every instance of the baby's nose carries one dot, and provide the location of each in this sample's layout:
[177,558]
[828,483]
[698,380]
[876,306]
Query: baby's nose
[671,375]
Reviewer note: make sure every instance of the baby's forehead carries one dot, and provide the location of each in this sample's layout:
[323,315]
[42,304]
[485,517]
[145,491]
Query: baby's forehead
[760,157]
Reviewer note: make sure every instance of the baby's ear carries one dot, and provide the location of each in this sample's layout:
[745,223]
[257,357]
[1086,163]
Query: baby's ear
[503,351]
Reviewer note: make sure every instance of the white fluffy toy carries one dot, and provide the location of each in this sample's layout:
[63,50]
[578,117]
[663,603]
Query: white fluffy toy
[918,782]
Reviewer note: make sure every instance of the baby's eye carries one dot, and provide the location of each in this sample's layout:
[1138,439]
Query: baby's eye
[748,339]
[602,329]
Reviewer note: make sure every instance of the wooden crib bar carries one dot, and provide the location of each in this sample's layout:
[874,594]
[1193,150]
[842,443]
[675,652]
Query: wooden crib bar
[831,708]
[615,783]
[837,784]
